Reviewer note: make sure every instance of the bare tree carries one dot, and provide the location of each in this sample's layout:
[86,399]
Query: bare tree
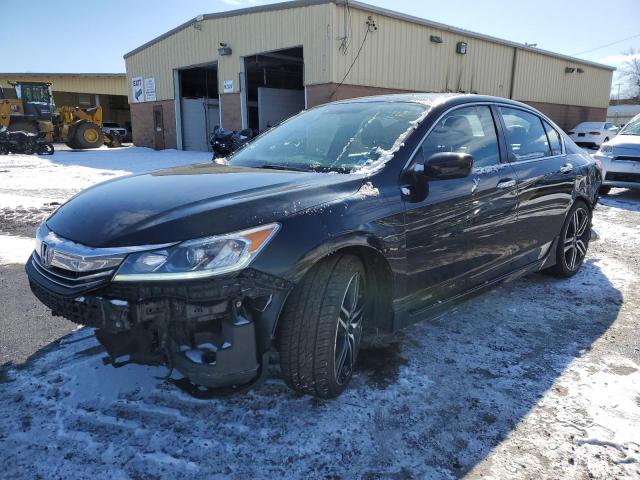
[630,72]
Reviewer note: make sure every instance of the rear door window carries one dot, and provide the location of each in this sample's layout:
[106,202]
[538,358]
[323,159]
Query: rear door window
[526,138]
[554,139]
[468,130]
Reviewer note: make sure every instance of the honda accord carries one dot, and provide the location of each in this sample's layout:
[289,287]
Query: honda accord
[351,219]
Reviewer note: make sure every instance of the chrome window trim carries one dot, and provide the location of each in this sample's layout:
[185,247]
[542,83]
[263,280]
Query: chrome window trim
[540,116]
[496,104]
[531,160]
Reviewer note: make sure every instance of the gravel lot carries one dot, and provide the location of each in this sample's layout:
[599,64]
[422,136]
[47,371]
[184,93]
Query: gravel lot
[537,379]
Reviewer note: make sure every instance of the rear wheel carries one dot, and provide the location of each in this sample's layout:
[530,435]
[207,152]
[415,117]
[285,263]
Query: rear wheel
[87,135]
[45,149]
[321,327]
[574,241]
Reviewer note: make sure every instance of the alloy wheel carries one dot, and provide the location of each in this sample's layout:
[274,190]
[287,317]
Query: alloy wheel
[576,239]
[349,329]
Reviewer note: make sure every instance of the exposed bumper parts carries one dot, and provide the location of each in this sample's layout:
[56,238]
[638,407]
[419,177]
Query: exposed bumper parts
[214,332]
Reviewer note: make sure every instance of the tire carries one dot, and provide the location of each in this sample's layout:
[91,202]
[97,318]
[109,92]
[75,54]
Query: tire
[46,149]
[604,190]
[570,244]
[312,327]
[87,135]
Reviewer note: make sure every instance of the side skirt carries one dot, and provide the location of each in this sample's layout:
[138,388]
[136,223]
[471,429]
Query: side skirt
[438,310]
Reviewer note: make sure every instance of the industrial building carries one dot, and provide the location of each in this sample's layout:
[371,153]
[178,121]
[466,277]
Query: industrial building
[86,90]
[255,66]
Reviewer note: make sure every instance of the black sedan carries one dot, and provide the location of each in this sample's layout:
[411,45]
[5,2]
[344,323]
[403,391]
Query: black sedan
[350,219]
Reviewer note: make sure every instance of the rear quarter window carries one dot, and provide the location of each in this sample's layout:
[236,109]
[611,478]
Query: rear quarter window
[554,139]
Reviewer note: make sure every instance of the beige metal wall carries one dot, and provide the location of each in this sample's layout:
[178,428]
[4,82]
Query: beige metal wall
[246,34]
[541,78]
[400,55]
[106,85]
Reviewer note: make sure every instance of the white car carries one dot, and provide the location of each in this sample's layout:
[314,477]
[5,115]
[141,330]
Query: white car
[593,134]
[113,127]
[620,158]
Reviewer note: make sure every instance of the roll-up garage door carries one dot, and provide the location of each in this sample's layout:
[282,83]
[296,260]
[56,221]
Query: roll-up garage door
[199,117]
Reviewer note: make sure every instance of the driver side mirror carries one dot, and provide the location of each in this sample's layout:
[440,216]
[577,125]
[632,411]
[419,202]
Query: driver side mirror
[445,166]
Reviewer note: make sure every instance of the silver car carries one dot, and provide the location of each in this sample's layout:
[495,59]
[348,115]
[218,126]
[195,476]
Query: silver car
[620,158]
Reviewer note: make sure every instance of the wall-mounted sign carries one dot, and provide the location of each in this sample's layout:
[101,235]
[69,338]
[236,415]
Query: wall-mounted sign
[137,90]
[227,86]
[150,89]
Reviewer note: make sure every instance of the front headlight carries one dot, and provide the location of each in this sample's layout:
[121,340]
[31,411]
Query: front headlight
[200,258]
[605,151]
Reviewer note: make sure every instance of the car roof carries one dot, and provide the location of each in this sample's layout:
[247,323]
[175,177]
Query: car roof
[449,99]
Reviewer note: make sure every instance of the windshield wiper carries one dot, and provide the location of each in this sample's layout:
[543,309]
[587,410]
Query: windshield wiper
[283,167]
[326,169]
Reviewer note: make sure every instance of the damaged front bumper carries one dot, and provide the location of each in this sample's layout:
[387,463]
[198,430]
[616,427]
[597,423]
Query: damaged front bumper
[214,332]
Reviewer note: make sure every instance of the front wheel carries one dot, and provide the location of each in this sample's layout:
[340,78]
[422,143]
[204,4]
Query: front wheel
[574,241]
[321,327]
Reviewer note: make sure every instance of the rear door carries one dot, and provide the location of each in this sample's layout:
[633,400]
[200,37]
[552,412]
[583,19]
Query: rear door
[545,179]
[458,229]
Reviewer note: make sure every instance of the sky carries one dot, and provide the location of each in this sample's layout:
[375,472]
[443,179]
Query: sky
[93,36]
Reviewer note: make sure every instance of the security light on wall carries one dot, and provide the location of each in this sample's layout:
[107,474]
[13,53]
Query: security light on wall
[224,49]
[569,70]
[436,39]
[580,70]
[461,48]
[198,23]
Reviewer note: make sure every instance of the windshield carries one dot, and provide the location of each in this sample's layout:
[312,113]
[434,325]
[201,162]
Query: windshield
[336,137]
[35,93]
[632,128]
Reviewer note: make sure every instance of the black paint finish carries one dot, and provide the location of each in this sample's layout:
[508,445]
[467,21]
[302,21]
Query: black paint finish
[428,242]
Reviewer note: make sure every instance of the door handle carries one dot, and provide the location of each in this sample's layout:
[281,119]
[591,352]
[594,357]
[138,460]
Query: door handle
[566,168]
[507,183]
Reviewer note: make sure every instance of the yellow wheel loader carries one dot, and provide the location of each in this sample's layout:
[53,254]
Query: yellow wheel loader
[33,110]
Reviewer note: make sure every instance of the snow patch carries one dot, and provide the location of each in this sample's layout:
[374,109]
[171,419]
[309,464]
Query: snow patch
[372,166]
[15,249]
[368,190]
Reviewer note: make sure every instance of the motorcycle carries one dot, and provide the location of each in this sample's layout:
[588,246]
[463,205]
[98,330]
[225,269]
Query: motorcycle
[224,142]
[24,142]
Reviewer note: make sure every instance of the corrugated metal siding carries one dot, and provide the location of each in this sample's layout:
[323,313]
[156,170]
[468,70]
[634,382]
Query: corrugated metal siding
[541,78]
[400,55]
[107,85]
[247,34]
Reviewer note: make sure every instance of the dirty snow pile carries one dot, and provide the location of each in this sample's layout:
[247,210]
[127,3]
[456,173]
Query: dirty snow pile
[32,187]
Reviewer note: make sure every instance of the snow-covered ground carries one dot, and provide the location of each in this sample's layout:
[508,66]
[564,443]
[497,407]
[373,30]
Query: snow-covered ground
[537,379]
[31,186]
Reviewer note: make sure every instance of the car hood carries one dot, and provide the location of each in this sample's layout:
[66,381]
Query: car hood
[192,202]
